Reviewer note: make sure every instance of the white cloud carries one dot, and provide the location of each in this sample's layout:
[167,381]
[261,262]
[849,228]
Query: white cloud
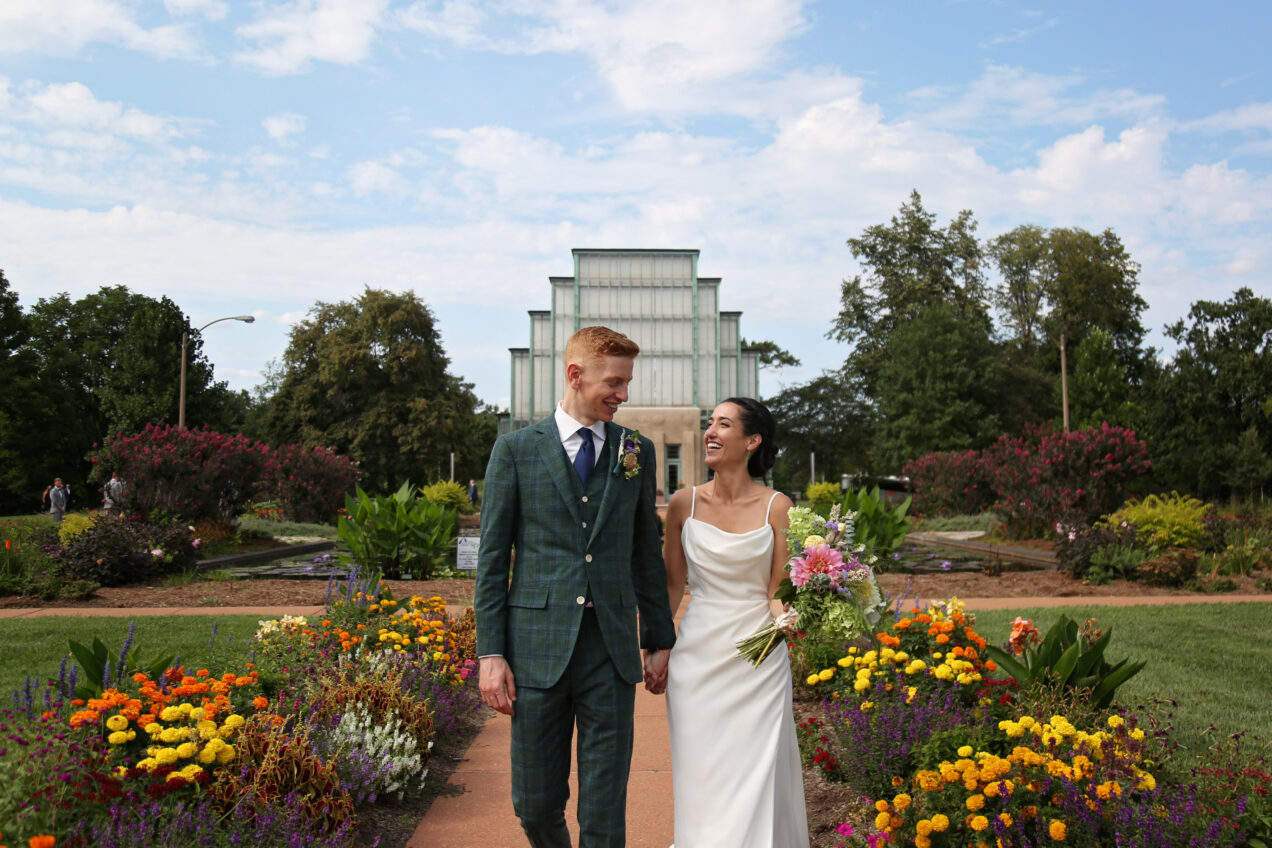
[367,178]
[653,55]
[213,10]
[282,126]
[1250,116]
[288,38]
[1009,95]
[62,27]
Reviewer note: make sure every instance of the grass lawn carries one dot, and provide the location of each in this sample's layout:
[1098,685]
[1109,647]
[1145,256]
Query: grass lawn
[1205,657]
[40,643]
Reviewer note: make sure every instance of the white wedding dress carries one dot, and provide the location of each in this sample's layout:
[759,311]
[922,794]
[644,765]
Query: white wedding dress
[735,764]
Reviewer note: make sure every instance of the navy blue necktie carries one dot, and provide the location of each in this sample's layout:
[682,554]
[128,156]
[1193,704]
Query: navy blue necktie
[585,459]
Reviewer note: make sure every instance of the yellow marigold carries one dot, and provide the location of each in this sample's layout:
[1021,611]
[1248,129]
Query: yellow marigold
[186,750]
[901,801]
[813,680]
[929,781]
[117,722]
[1006,819]
[166,756]
[826,674]
[234,721]
[882,806]
[1137,735]
[1116,721]
[1058,830]
[922,842]
[117,737]
[207,756]
[940,822]
[923,827]
[978,823]
[171,714]
[172,734]
[966,751]
[883,822]
[975,802]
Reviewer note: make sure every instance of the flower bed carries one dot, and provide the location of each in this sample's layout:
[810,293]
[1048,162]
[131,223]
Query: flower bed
[321,719]
[940,747]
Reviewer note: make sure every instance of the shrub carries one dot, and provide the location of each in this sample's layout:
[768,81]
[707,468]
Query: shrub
[113,552]
[449,494]
[308,484]
[73,524]
[1079,545]
[1172,567]
[187,473]
[949,483]
[1173,521]
[822,496]
[1074,477]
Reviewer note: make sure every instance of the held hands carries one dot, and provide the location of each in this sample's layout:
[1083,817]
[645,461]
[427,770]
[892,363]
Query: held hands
[788,620]
[656,670]
[498,689]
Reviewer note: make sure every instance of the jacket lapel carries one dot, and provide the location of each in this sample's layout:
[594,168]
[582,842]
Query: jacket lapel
[613,484]
[558,465]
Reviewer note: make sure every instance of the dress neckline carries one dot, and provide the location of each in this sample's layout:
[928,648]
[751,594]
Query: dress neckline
[730,532]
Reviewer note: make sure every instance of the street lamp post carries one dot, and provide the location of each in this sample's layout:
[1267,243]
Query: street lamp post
[185,342]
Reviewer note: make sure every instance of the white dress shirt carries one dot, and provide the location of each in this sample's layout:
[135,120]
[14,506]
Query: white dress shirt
[568,429]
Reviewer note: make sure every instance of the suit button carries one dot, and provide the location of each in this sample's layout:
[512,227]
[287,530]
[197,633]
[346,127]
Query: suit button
[580,600]
[587,558]
[585,499]
[585,524]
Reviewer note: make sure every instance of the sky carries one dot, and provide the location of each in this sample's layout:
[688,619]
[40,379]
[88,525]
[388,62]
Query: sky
[259,157]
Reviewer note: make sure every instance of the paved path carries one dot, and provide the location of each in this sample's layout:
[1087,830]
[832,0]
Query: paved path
[480,814]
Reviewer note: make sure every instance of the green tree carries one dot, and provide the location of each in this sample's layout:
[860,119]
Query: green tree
[939,388]
[1021,256]
[368,378]
[826,416]
[1248,465]
[1218,386]
[772,356]
[908,264]
[25,419]
[1099,390]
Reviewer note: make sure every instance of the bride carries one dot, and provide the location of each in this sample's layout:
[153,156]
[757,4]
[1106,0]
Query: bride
[736,773]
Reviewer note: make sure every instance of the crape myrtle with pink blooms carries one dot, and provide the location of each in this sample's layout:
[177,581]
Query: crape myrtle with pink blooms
[200,473]
[1034,479]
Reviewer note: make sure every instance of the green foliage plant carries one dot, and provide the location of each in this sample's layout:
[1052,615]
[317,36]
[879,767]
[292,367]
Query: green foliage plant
[450,494]
[102,666]
[821,496]
[881,528]
[1068,659]
[1113,562]
[73,524]
[397,534]
[1078,546]
[1165,521]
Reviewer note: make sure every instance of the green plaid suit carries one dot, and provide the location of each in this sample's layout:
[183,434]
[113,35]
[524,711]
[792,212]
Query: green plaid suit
[599,544]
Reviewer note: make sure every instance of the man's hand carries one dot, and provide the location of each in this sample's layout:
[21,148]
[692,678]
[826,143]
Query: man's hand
[498,689]
[656,670]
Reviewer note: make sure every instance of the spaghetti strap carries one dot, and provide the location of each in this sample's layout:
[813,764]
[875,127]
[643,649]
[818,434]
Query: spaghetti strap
[693,500]
[770,508]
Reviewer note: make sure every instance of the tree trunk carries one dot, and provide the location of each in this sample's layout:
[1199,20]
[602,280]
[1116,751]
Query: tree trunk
[1064,384]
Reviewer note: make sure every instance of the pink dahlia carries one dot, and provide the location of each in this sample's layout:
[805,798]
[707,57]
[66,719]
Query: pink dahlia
[817,559]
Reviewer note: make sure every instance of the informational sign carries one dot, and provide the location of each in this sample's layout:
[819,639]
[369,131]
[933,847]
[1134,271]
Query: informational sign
[466,553]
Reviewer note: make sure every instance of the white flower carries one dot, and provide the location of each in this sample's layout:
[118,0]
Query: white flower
[156,553]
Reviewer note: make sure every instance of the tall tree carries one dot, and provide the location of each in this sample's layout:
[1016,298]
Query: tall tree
[1218,387]
[368,378]
[909,264]
[938,390]
[1061,283]
[826,416]
[110,362]
[24,418]
[1099,390]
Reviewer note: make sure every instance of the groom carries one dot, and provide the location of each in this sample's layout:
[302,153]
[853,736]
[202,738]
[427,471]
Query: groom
[573,500]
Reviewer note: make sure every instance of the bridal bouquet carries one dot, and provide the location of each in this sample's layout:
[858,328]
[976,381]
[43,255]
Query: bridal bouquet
[831,590]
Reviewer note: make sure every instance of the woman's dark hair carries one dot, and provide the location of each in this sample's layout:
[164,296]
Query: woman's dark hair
[757,420]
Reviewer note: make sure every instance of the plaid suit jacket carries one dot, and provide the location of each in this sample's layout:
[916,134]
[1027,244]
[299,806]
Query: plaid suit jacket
[529,611]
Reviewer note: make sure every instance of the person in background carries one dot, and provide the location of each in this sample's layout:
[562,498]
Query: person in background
[59,499]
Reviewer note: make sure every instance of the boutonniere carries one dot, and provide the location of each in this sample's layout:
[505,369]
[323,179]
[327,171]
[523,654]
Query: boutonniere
[628,454]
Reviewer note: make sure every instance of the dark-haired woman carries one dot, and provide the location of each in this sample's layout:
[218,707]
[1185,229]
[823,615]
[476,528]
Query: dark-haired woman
[735,759]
